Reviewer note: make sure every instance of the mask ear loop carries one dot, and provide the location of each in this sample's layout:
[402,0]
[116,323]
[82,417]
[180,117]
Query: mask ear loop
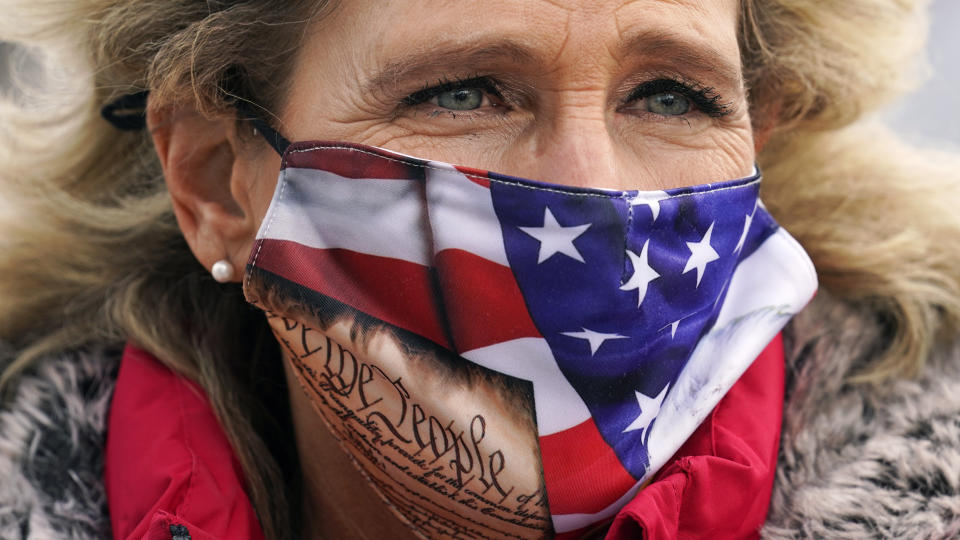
[129,113]
[276,141]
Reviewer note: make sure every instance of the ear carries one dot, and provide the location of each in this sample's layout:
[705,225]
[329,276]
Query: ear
[764,124]
[208,184]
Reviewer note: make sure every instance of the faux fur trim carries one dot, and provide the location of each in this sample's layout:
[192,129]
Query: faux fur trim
[51,449]
[864,461]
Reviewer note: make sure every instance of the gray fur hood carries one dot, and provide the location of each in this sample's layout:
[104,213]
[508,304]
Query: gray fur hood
[864,461]
[855,461]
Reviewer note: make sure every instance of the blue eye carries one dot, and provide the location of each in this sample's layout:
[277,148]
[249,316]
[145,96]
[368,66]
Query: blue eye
[668,104]
[461,99]
[668,97]
[460,95]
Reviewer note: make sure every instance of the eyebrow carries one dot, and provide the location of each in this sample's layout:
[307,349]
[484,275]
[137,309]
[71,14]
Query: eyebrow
[657,46]
[427,61]
[699,57]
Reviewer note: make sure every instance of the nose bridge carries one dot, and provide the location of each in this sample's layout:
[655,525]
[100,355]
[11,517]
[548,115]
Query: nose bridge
[577,150]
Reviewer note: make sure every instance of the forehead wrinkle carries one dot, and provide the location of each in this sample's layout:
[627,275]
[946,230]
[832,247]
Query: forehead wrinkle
[698,56]
[447,55]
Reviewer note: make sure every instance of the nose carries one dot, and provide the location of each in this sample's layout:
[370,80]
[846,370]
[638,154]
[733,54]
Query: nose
[572,150]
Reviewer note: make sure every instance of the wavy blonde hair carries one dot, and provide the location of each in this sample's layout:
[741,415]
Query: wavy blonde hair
[90,251]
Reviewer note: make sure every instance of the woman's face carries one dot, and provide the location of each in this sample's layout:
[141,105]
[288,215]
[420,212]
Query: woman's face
[642,94]
[621,94]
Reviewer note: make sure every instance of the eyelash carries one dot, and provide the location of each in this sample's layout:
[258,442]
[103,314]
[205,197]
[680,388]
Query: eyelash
[705,99]
[429,92]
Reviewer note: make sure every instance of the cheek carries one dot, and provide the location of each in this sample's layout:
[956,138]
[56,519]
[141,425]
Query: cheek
[675,161]
[259,175]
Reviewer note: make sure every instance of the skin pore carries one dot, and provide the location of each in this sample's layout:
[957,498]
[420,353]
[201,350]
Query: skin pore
[643,94]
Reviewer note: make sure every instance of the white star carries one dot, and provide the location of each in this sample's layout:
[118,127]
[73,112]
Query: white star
[701,254]
[651,199]
[554,238]
[743,236]
[649,409]
[596,339]
[642,273]
[673,328]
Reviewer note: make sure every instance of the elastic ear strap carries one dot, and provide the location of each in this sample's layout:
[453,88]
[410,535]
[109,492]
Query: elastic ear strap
[129,113]
[276,141]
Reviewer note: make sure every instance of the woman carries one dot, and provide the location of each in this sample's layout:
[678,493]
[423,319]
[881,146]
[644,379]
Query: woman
[119,235]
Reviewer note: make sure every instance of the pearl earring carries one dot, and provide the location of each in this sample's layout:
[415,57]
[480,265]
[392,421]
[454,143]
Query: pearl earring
[222,271]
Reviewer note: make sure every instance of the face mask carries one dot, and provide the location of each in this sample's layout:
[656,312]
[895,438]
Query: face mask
[504,357]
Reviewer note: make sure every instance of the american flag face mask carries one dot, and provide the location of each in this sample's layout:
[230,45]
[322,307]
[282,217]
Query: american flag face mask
[505,358]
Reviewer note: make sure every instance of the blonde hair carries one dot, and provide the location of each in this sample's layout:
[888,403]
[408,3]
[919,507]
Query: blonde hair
[877,216]
[90,251]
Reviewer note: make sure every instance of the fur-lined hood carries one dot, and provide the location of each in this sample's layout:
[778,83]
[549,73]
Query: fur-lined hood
[862,461]
[855,461]
[52,438]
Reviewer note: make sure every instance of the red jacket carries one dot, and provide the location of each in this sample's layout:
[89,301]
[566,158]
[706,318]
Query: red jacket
[171,474]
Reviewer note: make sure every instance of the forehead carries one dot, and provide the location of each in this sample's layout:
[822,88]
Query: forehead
[550,34]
